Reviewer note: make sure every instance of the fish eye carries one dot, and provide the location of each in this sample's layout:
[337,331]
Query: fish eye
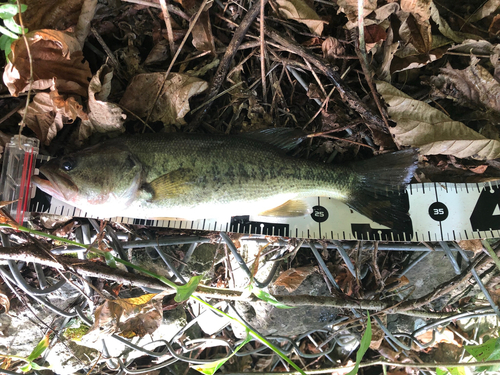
[68,164]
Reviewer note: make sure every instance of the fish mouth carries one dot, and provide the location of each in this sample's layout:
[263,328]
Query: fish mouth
[56,183]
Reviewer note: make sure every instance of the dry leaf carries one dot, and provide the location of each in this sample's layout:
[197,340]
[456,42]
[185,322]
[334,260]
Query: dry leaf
[377,337]
[300,11]
[4,299]
[446,336]
[332,49]
[493,287]
[471,245]
[51,14]
[103,116]
[489,7]
[495,25]
[418,34]
[56,56]
[49,112]
[473,84]
[420,125]
[350,9]
[128,317]
[445,29]
[173,102]
[292,278]
[421,9]
[203,39]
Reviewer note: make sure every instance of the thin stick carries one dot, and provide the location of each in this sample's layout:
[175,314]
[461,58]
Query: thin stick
[263,52]
[347,140]
[226,61]
[168,24]
[191,26]
[30,59]
[327,99]
[363,59]
[171,8]
[346,93]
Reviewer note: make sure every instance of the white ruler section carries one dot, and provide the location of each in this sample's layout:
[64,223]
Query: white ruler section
[438,211]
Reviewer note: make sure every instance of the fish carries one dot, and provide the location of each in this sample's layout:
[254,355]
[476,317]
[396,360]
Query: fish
[193,176]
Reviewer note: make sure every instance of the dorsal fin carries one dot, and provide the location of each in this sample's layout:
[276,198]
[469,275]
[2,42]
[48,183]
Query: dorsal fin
[283,138]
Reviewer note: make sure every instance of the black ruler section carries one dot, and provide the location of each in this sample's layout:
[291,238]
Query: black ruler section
[242,224]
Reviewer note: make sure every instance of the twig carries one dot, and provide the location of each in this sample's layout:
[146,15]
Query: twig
[363,59]
[31,253]
[30,60]
[109,53]
[190,29]
[226,61]
[346,93]
[347,140]
[445,287]
[168,24]
[171,8]
[263,52]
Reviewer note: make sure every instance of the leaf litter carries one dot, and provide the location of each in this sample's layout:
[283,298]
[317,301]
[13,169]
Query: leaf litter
[436,67]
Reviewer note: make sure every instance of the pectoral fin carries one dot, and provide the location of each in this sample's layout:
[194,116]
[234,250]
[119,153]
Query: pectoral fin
[293,207]
[172,184]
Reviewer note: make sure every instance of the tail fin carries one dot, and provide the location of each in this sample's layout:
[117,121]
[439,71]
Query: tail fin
[382,181]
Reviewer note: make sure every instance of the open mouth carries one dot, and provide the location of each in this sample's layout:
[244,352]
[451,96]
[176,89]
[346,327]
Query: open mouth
[56,184]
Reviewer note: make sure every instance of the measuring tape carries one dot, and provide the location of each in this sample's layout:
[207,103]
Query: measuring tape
[438,212]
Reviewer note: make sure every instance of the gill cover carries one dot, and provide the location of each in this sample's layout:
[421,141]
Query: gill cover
[101,175]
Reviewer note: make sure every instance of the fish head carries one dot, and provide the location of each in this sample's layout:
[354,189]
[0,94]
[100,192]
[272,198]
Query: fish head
[94,179]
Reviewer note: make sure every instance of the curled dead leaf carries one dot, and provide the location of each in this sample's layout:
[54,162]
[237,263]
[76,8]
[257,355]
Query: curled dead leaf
[300,11]
[445,336]
[128,317]
[350,9]
[332,49]
[423,126]
[173,101]
[471,245]
[103,116]
[4,299]
[49,112]
[56,57]
[473,84]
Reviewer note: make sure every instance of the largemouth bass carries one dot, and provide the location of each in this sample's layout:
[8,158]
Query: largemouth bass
[193,176]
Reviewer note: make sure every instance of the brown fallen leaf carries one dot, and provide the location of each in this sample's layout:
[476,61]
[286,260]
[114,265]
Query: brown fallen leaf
[293,277]
[103,116]
[51,14]
[473,84]
[350,9]
[4,299]
[446,336]
[173,102]
[493,287]
[49,112]
[486,9]
[420,125]
[471,245]
[300,11]
[56,58]
[128,317]
[203,39]
[421,9]
[332,49]
[446,30]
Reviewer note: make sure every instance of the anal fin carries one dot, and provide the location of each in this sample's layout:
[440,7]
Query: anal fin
[291,208]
